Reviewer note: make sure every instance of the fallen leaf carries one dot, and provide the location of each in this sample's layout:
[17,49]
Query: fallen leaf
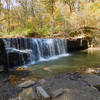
[47,69]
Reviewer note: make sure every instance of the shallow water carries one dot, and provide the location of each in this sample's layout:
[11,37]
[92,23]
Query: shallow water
[85,58]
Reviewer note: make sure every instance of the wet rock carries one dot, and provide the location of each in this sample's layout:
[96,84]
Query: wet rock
[97,71]
[26,94]
[17,58]
[42,94]
[76,44]
[3,55]
[92,79]
[13,59]
[79,94]
[97,87]
[16,98]
[75,76]
[42,81]
[90,70]
[26,84]
[58,92]
[2,68]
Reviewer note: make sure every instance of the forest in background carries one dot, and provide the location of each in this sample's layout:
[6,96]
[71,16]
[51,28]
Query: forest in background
[45,18]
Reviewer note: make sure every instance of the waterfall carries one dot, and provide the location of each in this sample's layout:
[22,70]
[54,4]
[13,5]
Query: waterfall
[35,50]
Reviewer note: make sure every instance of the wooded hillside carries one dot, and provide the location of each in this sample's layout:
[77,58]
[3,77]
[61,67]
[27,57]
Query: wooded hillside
[44,18]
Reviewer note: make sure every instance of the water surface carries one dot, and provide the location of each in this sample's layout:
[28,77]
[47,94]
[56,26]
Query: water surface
[85,58]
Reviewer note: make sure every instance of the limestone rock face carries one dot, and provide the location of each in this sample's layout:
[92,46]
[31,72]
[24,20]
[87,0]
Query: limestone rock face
[15,58]
[77,44]
[20,51]
[1,68]
[3,55]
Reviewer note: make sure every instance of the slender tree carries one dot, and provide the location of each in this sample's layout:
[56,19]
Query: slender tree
[24,4]
[50,6]
[0,7]
[8,8]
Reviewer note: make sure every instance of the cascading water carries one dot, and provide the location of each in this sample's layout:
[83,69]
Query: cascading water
[37,49]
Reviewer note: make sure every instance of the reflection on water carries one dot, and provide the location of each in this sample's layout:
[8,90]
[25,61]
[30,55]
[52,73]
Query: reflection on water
[84,58]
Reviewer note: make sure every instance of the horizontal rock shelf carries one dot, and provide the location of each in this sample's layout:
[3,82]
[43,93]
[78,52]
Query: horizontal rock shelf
[26,84]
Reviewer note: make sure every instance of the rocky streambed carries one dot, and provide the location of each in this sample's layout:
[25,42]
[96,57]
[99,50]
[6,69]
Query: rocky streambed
[69,86]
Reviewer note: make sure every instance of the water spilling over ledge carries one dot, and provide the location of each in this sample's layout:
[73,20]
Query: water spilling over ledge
[21,51]
[35,49]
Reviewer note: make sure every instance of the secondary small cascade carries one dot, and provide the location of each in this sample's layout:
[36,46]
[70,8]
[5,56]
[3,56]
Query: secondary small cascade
[35,50]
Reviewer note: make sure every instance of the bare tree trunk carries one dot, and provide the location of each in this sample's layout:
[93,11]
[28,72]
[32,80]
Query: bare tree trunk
[53,22]
[32,8]
[41,25]
[92,0]
[70,7]
[0,7]
[26,13]
[52,26]
[8,17]
[24,5]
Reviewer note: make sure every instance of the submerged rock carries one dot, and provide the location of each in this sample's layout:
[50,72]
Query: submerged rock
[97,71]
[59,88]
[26,94]
[97,87]
[75,76]
[2,68]
[90,70]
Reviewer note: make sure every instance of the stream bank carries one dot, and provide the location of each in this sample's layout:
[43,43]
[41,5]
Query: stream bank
[61,87]
[82,86]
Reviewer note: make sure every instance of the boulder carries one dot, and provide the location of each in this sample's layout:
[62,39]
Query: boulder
[42,81]
[26,84]
[92,79]
[27,94]
[57,93]
[75,76]
[97,71]
[17,57]
[90,70]
[42,94]
[97,87]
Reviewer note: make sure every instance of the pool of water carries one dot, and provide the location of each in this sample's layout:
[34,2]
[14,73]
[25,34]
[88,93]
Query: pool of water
[85,58]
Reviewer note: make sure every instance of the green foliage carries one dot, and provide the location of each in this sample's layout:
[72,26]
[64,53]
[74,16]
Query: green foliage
[50,5]
[45,17]
[67,1]
[45,31]
[73,34]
